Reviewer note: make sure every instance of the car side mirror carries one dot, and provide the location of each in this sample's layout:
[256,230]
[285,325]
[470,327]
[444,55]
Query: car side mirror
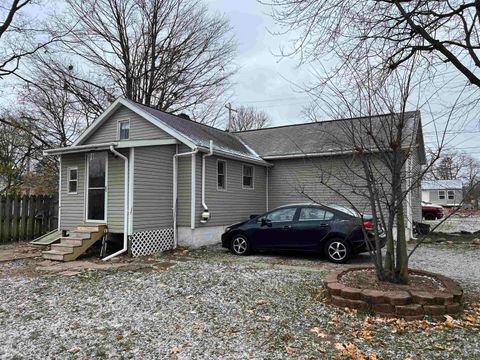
[266,222]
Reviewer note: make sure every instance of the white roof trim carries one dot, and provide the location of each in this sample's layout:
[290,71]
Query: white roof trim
[80,148]
[130,105]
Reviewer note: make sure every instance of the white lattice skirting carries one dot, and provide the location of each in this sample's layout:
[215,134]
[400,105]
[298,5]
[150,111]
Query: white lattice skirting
[151,242]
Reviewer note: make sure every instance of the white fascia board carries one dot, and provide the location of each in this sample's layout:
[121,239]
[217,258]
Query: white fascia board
[157,122]
[77,149]
[99,121]
[138,143]
[318,154]
[229,155]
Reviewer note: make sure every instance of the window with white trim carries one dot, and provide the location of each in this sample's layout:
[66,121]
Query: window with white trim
[124,130]
[72,180]
[247,178]
[441,194]
[451,195]
[221,175]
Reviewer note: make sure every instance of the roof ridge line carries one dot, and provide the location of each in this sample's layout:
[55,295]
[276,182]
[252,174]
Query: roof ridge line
[321,122]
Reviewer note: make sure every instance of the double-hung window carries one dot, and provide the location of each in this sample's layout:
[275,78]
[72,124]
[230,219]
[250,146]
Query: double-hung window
[72,180]
[441,194]
[221,175]
[451,195]
[124,130]
[247,178]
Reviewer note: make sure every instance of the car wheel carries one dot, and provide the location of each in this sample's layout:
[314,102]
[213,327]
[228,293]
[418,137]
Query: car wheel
[240,245]
[337,251]
[430,216]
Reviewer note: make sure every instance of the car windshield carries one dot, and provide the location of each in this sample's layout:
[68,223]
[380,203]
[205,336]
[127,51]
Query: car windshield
[344,209]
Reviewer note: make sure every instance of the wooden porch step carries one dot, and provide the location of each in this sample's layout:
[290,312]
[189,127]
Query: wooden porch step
[62,248]
[90,228]
[54,255]
[79,235]
[71,247]
[72,241]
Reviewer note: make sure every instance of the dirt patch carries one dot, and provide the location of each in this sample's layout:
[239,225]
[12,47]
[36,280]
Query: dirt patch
[18,251]
[367,279]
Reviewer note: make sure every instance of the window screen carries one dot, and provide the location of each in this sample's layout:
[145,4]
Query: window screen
[124,130]
[221,175]
[247,181]
[72,180]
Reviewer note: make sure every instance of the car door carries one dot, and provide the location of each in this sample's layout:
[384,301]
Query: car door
[275,229]
[312,225]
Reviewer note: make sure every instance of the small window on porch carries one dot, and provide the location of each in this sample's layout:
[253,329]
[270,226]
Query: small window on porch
[124,130]
[451,195]
[72,180]
[221,175]
[441,195]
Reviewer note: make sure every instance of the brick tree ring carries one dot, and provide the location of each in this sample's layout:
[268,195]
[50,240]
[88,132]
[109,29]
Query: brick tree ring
[410,304]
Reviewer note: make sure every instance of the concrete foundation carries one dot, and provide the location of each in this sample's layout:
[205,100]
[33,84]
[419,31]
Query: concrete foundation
[199,237]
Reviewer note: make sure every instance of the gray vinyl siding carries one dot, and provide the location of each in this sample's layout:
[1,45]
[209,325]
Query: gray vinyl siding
[233,204]
[116,190]
[184,182]
[153,187]
[72,205]
[299,181]
[140,129]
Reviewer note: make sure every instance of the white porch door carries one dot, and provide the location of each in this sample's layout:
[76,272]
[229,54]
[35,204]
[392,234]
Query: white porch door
[96,204]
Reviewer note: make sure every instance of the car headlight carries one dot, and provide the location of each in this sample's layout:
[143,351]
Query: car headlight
[227,229]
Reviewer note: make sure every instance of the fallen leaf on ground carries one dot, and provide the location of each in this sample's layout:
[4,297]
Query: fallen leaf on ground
[291,350]
[319,332]
[174,350]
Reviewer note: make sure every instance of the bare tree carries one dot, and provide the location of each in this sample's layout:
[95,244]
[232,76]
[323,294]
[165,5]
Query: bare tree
[16,148]
[374,167]
[169,54]
[21,35]
[249,118]
[386,32]
[455,165]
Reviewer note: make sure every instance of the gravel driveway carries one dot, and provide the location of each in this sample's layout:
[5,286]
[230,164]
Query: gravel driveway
[208,305]
[461,264]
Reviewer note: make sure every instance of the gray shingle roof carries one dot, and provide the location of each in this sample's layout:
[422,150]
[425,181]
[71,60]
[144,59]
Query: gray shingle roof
[201,134]
[326,136]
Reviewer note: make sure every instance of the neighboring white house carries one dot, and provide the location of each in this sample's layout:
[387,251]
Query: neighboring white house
[443,192]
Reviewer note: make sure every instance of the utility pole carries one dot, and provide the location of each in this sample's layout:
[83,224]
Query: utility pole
[230,111]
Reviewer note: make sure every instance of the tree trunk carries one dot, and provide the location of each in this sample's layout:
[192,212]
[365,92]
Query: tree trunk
[401,270]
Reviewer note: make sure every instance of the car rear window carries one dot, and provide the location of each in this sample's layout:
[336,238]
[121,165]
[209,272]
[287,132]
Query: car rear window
[314,214]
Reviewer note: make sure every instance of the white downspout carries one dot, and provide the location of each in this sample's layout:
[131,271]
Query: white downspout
[60,191]
[125,202]
[266,188]
[175,191]
[205,207]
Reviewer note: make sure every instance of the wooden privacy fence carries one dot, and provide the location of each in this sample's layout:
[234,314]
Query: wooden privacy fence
[27,217]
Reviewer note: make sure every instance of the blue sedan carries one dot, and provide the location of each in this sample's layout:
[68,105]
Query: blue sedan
[335,231]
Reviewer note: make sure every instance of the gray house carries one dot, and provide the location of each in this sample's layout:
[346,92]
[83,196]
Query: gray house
[447,193]
[155,180]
